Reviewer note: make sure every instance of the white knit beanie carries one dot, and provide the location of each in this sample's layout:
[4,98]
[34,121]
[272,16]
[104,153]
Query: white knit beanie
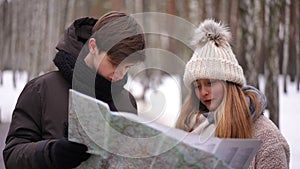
[213,57]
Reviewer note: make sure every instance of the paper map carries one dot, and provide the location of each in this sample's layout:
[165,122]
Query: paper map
[117,142]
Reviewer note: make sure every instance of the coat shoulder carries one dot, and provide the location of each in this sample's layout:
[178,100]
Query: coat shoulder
[266,130]
[274,151]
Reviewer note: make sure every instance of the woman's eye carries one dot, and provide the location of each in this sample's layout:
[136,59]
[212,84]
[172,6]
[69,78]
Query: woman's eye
[197,87]
[212,82]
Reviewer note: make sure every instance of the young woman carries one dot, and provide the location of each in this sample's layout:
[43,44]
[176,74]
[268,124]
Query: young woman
[36,138]
[219,104]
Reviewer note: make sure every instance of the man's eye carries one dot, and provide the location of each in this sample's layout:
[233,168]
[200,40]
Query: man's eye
[114,65]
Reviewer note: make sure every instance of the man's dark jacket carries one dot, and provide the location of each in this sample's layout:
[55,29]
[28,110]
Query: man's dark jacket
[41,113]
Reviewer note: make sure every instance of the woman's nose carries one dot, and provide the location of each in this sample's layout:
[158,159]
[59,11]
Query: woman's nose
[204,91]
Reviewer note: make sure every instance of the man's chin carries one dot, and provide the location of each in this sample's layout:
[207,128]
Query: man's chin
[114,80]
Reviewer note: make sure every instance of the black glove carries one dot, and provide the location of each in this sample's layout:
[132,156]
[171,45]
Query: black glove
[67,154]
[83,28]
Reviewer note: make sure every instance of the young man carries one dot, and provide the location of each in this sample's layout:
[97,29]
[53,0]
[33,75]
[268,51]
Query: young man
[38,131]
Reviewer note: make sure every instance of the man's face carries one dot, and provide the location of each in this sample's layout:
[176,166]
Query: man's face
[103,64]
[111,71]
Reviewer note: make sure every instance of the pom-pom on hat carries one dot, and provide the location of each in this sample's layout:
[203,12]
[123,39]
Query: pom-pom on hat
[213,57]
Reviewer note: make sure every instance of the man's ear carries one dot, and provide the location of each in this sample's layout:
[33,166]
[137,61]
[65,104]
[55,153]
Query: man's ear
[92,46]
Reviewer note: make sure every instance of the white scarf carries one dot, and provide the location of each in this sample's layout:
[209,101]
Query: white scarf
[203,125]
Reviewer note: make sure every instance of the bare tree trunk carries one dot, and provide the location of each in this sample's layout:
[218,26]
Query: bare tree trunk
[52,32]
[171,9]
[42,58]
[286,42]
[2,36]
[31,29]
[138,6]
[2,28]
[208,7]
[216,9]
[14,29]
[234,20]
[247,25]
[54,29]
[298,45]
[225,11]
[129,6]
[265,23]
[202,11]
[82,7]
[47,44]
[194,11]
[291,70]
[186,14]
[27,29]
[182,7]
[258,26]
[21,38]
[117,5]
[32,39]
[272,66]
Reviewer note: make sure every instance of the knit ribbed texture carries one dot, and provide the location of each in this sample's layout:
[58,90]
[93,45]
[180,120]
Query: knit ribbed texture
[213,58]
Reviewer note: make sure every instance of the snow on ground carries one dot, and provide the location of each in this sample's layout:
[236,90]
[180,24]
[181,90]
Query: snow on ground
[9,94]
[289,107]
[289,120]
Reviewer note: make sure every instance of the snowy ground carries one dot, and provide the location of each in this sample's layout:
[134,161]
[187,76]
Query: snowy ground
[289,108]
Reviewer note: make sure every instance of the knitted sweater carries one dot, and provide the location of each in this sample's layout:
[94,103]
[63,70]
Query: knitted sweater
[274,152]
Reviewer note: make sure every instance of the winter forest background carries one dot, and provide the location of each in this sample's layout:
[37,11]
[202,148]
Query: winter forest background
[265,37]
[265,34]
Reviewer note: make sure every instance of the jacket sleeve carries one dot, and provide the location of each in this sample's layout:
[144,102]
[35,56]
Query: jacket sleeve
[25,147]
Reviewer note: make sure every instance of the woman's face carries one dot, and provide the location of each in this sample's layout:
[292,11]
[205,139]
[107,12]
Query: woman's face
[210,92]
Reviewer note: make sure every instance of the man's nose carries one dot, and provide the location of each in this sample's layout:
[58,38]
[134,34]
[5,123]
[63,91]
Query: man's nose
[118,75]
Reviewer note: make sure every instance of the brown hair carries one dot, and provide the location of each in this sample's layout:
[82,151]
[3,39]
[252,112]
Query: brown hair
[120,36]
[235,118]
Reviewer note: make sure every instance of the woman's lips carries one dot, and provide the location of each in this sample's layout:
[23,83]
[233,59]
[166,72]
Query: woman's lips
[208,101]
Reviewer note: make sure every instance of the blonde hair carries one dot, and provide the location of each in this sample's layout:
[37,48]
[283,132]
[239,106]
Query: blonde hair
[233,117]
[190,106]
